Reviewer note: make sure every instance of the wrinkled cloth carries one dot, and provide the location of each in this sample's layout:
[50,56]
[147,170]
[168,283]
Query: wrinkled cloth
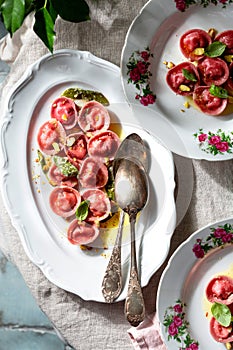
[147,336]
[92,325]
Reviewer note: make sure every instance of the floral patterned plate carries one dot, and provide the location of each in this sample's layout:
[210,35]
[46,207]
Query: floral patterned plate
[183,310]
[152,40]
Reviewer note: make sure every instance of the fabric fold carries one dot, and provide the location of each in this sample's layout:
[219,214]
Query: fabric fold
[146,336]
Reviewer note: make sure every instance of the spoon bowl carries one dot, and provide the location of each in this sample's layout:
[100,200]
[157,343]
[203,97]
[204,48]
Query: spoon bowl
[131,187]
[132,148]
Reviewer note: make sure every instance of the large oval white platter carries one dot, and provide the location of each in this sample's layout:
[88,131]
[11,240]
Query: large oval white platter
[25,191]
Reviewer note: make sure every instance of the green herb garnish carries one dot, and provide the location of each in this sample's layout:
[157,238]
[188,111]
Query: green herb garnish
[43,163]
[188,75]
[218,91]
[82,210]
[215,49]
[65,167]
[222,314]
[86,95]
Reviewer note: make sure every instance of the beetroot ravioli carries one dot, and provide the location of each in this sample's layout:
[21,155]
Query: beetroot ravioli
[207,75]
[219,292]
[192,41]
[179,78]
[76,149]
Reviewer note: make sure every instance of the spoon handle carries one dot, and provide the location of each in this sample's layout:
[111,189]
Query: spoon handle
[112,281]
[134,303]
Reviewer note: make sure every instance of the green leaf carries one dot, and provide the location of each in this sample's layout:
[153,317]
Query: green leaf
[72,10]
[13,12]
[82,210]
[215,49]
[53,13]
[218,91]
[222,314]
[29,6]
[44,27]
[188,75]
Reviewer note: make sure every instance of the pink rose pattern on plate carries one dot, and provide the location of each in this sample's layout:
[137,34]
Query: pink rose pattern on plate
[219,142]
[139,75]
[182,5]
[177,327]
[219,236]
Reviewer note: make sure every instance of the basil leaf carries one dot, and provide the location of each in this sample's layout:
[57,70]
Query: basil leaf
[82,210]
[72,10]
[44,27]
[215,49]
[218,91]
[188,75]
[13,12]
[222,314]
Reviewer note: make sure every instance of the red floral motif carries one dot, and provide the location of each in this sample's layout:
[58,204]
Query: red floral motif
[177,327]
[215,143]
[139,75]
[182,5]
[217,238]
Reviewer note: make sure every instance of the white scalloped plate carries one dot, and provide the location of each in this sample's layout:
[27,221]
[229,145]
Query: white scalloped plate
[185,278]
[159,26]
[24,192]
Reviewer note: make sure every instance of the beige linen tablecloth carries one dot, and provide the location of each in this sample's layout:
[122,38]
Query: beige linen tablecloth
[92,325]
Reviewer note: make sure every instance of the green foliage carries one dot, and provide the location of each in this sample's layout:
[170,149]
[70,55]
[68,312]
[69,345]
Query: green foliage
[72,11]
[13,12]
[44,27]
[45,12]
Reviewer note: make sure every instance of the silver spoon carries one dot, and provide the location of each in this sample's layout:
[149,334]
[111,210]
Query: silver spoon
[131,193]
[132,146]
